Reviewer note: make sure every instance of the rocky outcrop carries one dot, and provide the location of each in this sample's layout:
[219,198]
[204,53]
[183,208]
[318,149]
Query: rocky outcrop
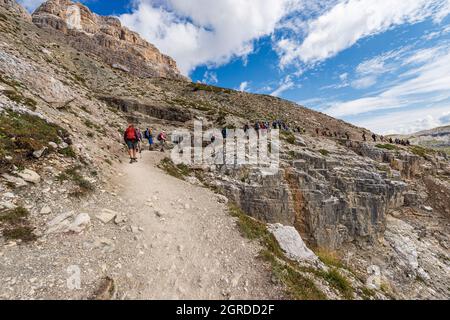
[331,204]
[13,7]
[159,112]
[106,38]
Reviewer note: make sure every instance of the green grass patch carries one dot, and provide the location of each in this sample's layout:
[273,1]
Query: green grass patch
[421,151]
[83,186]
[15,225]
[180,171]
[298,286]
[387,146]
[339,282]
[204,87]
[17,97]
[288,136]
[22,134]
[367,294]
[68,152]
[324,152]
[329,257]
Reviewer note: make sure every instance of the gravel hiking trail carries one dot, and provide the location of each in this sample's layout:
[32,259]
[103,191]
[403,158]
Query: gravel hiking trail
[194,249]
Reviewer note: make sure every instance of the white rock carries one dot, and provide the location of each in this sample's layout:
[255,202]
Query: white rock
[398,234]
[63,145]
[37,154]
[9,195]
[80,223]
[60,223]
[46,210]
[7,205]
[291,243]
[29,176]
[53,145]
[16,181]
[106,215]
[427,208]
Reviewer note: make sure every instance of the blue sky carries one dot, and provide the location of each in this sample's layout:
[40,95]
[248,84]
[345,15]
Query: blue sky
[383,64]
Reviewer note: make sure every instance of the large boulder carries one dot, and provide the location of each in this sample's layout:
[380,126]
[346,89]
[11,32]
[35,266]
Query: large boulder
[291,243]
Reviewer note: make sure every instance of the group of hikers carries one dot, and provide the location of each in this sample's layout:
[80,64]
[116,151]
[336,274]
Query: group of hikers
[402,142]
[328,133]
[264,126]
[133,138]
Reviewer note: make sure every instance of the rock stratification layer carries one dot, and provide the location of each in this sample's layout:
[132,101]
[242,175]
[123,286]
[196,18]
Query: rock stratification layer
[105,37]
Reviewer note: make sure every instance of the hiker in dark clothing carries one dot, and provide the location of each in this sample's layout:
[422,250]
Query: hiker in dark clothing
[148,134]
[246,128]
[131,137]
[224,133]
[257,128]
[374,137]
[364,136]
[391,141]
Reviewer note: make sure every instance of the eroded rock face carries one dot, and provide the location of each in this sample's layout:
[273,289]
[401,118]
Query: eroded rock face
[106,38]
[331,200]
[159,112]
[15,8]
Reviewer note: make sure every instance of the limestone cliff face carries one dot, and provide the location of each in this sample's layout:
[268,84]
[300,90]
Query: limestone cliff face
[106,38]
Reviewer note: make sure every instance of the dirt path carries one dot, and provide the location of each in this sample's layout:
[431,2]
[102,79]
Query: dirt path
[193,247]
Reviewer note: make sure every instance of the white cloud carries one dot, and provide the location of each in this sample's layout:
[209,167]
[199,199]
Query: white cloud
[364,83]
[408,121]
[343,77]
[286,84]
[198,32]
[351,20]
[426,84]
[243,86]
[30,5]
[210,77]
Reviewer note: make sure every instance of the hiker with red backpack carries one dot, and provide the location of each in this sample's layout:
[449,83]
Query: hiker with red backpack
[162,137]
[131,138]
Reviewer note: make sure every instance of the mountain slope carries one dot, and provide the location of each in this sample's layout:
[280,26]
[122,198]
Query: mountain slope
[359,205]
[436,138]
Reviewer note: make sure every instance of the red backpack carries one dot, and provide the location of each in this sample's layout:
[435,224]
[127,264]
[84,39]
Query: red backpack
[131,134]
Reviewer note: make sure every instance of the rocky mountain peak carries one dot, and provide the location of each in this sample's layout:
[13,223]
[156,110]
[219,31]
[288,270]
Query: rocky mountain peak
[106,38]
